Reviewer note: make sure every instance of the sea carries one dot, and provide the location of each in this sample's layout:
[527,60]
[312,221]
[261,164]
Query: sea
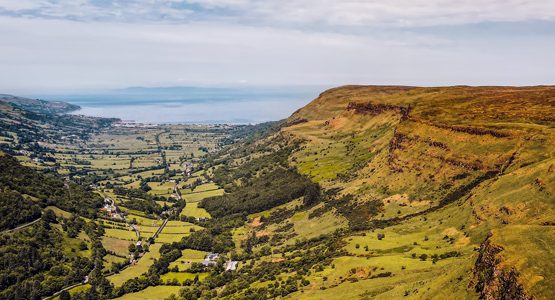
[171,105]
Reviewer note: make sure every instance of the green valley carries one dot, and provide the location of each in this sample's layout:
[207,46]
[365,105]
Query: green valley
[367,192]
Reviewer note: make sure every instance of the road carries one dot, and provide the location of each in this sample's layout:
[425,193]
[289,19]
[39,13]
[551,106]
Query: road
[64,289]
[21,226]
[160,229]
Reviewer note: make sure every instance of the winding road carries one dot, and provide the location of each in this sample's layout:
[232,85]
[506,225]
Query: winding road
[20,226]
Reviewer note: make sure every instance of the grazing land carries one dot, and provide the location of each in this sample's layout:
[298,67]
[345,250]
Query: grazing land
[153,292]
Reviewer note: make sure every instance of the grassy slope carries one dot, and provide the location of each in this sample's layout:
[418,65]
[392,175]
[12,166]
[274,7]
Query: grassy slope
[451,137]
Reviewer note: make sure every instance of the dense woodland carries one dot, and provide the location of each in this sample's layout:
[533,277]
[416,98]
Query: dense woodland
[260,193]
[265,182]
[16,210]
[45,189]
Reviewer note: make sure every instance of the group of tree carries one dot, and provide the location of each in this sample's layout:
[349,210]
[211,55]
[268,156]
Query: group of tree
[34,263]
[46,189]
[266,191]
[16,209]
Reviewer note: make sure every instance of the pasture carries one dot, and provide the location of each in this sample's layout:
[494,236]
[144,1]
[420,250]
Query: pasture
[197,197]
[159,292]
[139,268]
[192,210]
[118,246]
[182,276]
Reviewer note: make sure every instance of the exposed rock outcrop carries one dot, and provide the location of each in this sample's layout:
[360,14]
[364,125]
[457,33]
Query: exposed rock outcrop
[491,280]
[375,109]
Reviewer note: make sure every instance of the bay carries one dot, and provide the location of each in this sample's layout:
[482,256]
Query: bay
[191,104]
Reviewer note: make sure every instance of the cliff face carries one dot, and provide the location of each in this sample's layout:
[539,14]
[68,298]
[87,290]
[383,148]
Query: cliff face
[491,280]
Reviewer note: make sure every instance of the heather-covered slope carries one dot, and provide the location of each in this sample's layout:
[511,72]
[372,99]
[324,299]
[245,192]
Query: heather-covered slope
[426,193]
[427,152]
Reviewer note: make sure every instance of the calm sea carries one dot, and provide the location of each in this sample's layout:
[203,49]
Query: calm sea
[192,105]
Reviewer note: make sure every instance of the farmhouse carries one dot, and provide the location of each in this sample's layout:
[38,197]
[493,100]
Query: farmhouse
[231,265]
[210,259]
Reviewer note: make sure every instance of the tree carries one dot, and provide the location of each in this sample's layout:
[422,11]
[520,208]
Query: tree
[49,216]
[64,295]
[83,246]
[145,187]
[311,195]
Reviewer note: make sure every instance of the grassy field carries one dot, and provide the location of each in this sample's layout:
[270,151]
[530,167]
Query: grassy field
[197,197]
[188,256]
[116,245]
[309,228]
[169,238]
[192,210]
[143,221]
[180,229]
[59,212]
[71,246]
[112,259]
[152,293]
[182,276]
[175,231]
[138,269]
[128,234]
[161,189]
[206,187]
[179,226]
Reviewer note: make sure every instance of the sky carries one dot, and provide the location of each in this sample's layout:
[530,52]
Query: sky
[78,45]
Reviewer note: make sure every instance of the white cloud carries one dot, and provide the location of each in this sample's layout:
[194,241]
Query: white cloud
[79,44]
[19,4]
[62,54]
[367,13]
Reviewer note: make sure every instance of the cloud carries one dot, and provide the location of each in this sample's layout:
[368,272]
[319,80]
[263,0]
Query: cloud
[404,13]
[83,44]
[312,13]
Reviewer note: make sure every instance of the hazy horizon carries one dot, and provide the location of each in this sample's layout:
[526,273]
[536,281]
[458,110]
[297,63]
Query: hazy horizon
[189,104]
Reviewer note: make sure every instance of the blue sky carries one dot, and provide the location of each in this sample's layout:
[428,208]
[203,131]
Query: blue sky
[85,45]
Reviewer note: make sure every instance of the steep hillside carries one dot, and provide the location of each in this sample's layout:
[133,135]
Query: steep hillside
[426,193]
